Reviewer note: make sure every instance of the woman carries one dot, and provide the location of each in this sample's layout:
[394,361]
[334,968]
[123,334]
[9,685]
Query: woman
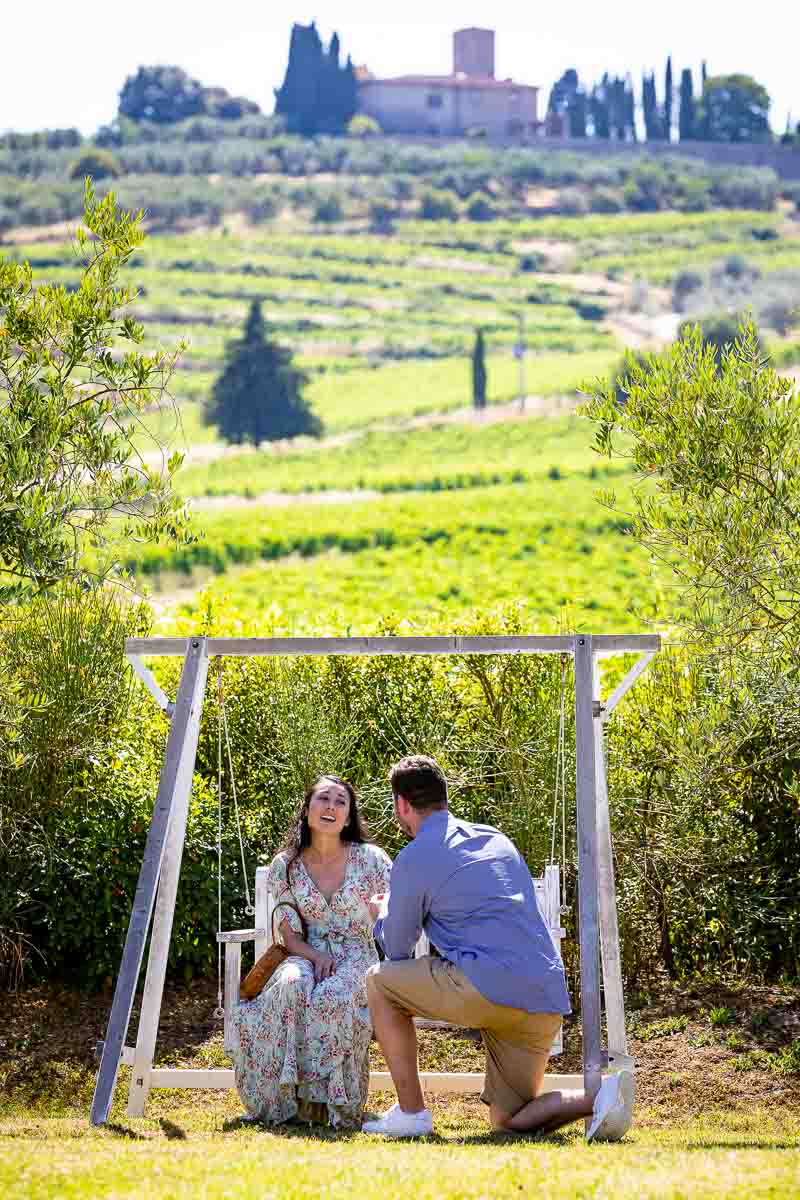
[302,1044]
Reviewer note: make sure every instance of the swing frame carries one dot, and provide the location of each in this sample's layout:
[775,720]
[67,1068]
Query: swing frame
[157,885]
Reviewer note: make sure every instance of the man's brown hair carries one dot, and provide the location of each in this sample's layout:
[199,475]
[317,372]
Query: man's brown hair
[419,780]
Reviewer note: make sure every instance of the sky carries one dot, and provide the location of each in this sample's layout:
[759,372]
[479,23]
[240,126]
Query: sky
[65,64]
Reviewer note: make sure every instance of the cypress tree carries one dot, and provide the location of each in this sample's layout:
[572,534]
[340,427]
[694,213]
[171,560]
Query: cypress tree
[298,98]
[618,109]
[686,112]
[576,114]
[258,397]
[599,108]
[630,109]
[650,108]
[479,371]
[668,101]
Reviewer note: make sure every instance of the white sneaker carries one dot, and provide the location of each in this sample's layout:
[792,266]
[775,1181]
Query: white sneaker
[398,1124]
[613,1108]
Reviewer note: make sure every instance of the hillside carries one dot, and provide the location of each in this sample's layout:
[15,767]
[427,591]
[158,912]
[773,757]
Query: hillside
[400,512]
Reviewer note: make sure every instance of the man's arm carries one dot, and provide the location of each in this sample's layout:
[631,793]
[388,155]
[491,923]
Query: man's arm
[398,932]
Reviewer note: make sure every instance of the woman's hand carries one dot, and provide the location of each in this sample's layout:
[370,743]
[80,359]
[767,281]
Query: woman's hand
[324,966]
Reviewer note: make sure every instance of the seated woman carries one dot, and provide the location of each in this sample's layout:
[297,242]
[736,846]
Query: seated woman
[301,1046]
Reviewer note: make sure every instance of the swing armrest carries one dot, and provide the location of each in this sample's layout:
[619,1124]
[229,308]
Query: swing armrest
[241,935]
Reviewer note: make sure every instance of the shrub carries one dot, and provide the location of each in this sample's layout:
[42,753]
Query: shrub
[363,126]
[263,210]
[572,203]
[482,209]
[437,206]
[683,285]
[605,200]
[98,164]
[381,217]
[736,266]
[533,262]
[781,314]
[719,330]
[328,209]
[720,1016]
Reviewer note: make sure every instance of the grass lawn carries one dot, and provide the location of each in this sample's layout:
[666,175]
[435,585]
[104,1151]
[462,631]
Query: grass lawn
[203,1150]
[716,1113]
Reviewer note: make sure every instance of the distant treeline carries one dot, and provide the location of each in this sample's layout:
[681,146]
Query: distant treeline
[728,108]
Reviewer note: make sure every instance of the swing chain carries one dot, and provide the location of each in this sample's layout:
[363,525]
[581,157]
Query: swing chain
[223,732]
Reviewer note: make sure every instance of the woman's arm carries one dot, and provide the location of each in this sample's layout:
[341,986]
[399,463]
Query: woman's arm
[322,963]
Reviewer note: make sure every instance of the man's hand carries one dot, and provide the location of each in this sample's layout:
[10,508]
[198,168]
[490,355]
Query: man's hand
[377,905]
[324,966]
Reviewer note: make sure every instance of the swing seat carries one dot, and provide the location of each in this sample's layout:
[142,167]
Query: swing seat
[548,897]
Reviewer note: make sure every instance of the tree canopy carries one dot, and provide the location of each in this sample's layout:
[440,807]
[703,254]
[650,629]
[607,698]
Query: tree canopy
[734,108]
[258,397]
[73,386]
[715,444]
[165,95]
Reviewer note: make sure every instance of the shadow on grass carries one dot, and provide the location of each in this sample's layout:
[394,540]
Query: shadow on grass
[172,1131]
[124,1131]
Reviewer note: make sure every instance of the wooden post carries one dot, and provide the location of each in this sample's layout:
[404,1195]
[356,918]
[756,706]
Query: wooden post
[165,909]
[609,927]
[173,791]
[585,791]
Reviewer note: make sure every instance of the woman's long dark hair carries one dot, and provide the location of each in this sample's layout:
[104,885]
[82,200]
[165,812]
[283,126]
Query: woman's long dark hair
[299,834]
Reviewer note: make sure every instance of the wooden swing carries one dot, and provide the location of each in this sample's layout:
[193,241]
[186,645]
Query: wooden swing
[548,887]
[158,879]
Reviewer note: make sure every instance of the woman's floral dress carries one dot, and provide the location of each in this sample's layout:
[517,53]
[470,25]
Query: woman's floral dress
[301,1048]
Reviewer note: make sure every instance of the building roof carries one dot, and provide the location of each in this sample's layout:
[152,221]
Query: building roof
[448,81]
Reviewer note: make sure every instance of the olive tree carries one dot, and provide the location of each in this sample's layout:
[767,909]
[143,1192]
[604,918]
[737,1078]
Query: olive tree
[74,388]
[715,446]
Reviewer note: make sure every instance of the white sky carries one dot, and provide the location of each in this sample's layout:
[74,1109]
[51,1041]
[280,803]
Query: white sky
[65,63]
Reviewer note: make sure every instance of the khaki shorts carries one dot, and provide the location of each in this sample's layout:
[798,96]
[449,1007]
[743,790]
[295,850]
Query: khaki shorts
[517,1042]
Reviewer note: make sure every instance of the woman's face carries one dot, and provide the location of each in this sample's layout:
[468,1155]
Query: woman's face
[328,808]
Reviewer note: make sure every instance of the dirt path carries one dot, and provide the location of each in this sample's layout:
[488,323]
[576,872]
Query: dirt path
[202,453]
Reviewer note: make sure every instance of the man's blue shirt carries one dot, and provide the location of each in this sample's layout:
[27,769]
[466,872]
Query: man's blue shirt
[468,888]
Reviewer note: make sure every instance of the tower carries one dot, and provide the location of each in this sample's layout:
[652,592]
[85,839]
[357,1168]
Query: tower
[473,53]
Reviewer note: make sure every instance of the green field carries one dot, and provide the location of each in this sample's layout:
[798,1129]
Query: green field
[183,1153]
[413,518]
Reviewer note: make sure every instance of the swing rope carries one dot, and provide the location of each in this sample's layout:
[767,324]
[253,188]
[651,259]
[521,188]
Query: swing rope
[560,790]
[222,732]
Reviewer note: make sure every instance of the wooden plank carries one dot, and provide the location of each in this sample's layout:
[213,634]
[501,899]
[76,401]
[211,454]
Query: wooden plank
[625,643]
[233,980]
[155,975]
[189,692]
[607,896]
[464,1083]
[500,644]
[261,902]
[240,935]
[627,683]
[159,695]
[585,789]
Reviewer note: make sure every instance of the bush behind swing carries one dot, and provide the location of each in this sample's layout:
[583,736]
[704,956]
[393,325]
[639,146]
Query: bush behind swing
[705,855]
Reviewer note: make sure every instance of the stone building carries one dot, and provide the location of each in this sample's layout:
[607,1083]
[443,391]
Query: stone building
[468,100]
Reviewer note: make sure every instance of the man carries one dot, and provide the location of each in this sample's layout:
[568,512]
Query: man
[469,889]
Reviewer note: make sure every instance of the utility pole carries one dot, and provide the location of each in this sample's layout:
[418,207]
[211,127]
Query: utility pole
[519,354]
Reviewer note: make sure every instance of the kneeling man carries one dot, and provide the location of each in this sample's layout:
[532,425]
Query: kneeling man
[468,888]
